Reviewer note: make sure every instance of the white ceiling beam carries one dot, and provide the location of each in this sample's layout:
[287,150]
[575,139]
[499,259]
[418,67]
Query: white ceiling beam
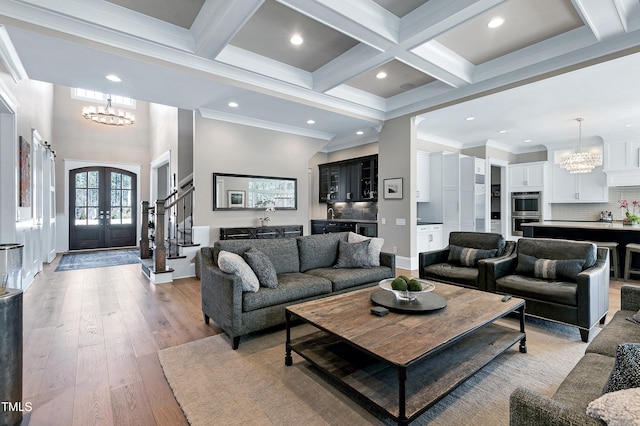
[602,16]
[56,14]
[439,62]
[218,22]
[361,58]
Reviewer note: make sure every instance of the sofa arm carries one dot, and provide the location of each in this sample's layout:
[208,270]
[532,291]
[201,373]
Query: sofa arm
[221,295]
[389,260]
[593,291]
[498,267]
[630,298]
[427,258]
[527,408]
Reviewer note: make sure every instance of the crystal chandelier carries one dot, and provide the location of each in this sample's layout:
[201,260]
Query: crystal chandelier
[579,161]
[108,115]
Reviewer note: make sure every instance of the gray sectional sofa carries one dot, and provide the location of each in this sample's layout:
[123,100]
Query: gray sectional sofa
[305,271]
[585,383]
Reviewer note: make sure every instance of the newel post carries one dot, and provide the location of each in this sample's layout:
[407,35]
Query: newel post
[160,252]
[144,231]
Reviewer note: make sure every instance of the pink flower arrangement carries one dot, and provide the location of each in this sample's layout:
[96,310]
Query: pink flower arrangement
[624,204]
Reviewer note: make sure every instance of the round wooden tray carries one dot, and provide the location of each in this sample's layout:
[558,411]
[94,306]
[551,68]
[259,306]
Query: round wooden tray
[425,302]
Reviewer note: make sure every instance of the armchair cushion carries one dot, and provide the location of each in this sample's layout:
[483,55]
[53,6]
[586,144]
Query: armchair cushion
[478,240]
[549,269]
[555,292]
[467,256]
[558,249]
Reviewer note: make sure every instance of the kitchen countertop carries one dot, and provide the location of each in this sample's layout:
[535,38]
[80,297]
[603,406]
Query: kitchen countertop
[614,226]
[429,223]
[348,220]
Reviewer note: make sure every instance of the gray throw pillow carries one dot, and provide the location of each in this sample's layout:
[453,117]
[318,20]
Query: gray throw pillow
[635,318]
[375,246]
[626,370]
[467,256]
[353,255]
[549,269]
[232,263]
[262,267]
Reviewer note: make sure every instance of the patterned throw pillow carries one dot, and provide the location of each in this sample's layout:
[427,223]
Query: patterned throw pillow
[262,266]
[353,255]
[549,269]
[626,370]
[375,246]
[232,263]
[617,408]
[467,256]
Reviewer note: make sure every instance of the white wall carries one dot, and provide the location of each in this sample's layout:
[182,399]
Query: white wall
[223,147]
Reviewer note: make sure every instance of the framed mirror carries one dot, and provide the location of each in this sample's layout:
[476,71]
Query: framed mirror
[238,192]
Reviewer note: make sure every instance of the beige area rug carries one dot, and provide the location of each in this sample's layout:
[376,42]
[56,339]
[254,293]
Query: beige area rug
[216,385]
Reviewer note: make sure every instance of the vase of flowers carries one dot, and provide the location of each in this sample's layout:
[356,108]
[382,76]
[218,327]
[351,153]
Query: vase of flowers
[630,216]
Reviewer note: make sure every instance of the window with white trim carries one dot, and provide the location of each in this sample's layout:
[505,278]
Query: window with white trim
[94,96]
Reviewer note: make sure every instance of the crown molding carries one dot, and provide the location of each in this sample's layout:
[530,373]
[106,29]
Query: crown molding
[10,58]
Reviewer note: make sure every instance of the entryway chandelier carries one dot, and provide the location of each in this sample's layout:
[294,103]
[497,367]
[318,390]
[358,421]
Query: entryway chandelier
[579,161]
[108,115]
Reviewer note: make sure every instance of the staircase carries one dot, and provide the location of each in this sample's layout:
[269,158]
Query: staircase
[169,242]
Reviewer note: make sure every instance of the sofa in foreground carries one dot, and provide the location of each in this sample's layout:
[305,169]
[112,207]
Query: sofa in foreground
[610,361]
[297,270]
[561,280]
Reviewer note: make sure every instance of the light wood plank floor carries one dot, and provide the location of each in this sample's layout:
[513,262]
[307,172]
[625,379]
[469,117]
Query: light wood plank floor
[91,339]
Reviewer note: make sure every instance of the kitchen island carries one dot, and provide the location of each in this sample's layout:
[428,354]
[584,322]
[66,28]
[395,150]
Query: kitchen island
[587,231]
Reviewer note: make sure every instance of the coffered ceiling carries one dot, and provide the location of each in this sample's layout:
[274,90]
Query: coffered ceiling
[437,55]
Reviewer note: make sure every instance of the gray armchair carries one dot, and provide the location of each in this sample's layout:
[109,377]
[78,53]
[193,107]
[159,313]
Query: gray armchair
[544,272]
[454,265]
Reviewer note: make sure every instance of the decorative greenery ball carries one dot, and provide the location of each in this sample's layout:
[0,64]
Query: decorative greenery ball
[414,285]
[399,284]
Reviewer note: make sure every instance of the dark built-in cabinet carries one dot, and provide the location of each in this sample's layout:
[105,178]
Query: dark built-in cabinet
[350,180]
[250,233]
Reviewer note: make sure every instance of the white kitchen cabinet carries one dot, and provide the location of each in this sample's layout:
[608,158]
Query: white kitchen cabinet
[579,187]
[621,162]
[430,238]
[423,191]
[526,176]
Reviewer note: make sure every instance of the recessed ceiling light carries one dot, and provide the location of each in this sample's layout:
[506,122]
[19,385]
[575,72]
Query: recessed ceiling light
[528,140]
[502,131]
[311,122]
[113,77]
[296,40]
[495,22]
[470,118]
[359,132]
[233,104]
[381,75]
[628,125]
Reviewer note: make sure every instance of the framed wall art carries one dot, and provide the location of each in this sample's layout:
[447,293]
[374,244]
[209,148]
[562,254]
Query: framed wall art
[392,189]
[25,172]
[236,199]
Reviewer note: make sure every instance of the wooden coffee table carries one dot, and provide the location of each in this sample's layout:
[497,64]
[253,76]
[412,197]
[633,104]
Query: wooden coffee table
[402,364]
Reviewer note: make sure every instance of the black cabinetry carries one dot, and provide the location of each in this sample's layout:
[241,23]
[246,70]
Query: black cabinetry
[350,180]
[330,226]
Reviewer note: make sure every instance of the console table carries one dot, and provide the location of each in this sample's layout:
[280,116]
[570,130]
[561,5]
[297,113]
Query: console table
[249,233]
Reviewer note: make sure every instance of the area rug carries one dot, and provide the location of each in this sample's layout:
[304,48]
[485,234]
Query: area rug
[251,386]
[97,259]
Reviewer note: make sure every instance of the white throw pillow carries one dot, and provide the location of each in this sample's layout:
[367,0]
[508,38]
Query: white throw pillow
[232,263]
[620,408]
[375,246]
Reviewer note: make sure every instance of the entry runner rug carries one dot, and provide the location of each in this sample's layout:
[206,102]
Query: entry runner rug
[97,259]
[251,386]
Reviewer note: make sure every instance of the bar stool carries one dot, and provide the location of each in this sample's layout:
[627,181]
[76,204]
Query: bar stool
[613,256]
[631,248]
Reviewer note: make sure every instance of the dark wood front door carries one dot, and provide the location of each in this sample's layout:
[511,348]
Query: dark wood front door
[102,206]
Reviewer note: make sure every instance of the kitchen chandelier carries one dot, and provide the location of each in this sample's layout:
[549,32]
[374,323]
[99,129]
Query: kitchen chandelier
[579,161]
[108,115]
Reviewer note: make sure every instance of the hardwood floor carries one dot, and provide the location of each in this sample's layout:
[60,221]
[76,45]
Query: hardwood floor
[91,339]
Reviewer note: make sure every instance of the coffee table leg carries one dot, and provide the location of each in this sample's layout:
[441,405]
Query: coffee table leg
[402,396]
[523,341]
[288,360]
